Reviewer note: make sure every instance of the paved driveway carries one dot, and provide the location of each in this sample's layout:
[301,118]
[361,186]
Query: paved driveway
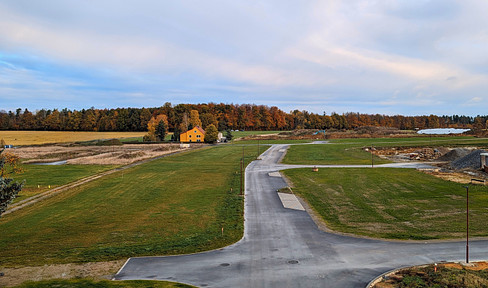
[283,247]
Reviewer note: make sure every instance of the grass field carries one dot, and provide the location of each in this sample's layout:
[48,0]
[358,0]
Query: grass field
[173,205]
[83,283]
[39,178]
[329,154]
[238,134]
[391,203]
[20,138]
[415,141]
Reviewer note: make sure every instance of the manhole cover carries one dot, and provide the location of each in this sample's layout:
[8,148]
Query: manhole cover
[293,262]
[225,264]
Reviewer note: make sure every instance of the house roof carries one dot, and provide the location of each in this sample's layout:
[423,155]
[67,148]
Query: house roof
[199,129]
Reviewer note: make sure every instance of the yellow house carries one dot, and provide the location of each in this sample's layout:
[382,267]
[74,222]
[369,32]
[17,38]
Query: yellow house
[194,135]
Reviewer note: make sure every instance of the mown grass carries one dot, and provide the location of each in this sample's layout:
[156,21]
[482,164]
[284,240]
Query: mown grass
[421,141]
[42,137]
[39,178]
[329,154]
[391,203]
[84,283]
[173,205]
[238,134]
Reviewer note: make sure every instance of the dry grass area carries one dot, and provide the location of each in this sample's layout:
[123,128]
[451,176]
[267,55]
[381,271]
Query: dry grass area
[20,138]
[93,270]
[443,275]
[101,155]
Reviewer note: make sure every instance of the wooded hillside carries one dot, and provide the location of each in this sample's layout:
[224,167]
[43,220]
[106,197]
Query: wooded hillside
[223,116]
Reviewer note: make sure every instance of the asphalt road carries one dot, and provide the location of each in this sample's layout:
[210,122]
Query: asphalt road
[284,248]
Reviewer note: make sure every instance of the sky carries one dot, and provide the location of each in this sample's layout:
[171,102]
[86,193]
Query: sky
[388,57]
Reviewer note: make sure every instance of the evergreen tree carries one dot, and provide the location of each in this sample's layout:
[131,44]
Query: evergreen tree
[161,130]
[228,135]
[8,188]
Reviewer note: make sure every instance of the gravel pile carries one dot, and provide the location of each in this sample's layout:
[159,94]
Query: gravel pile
[472,160]
[455,154]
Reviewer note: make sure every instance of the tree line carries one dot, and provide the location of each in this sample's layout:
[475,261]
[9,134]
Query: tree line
[180,117]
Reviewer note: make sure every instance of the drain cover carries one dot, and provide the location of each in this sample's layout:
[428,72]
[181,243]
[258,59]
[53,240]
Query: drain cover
[225,264]
[293,262]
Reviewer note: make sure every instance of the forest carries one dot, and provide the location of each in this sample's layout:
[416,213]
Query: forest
[223,116]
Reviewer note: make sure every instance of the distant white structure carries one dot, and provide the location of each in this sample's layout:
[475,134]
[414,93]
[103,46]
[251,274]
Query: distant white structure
[442,131]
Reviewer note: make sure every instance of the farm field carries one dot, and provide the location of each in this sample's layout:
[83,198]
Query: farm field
[238,134]
[391,203]
[21,138]
[178,204]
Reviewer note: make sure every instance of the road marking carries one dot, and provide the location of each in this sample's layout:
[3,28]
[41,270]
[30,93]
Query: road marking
[274,174]
[290,201]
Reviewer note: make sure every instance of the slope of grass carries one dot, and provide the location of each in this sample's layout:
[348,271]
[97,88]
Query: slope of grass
[391,203]
[173,205]
[39,178]
[83,283]
[329,154]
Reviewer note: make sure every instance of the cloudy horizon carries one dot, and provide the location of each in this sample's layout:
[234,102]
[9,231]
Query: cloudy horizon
[387,57]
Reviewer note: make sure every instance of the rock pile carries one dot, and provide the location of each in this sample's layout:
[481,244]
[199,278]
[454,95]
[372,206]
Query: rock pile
[472,161]
[455,154]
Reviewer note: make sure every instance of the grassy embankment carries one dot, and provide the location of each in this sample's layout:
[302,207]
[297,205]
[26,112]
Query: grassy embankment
[40,178]
[82,283]
[386,203]
[173,205]
[22,138]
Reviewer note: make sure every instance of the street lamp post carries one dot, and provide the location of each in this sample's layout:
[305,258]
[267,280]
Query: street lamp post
[467,224]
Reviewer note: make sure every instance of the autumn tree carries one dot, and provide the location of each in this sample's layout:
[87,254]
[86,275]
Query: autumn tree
[155,128]
[195,119]
[9,164]
[211,134]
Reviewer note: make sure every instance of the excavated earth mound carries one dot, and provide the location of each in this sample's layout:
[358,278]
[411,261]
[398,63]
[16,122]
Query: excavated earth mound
[470,161]
[455,154]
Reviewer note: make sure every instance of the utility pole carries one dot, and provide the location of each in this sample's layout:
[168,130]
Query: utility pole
[242,171]
[467,224]
[372,164]
[258,149]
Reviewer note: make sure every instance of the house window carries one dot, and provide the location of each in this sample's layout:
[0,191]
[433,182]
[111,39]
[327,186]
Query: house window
[190,136]
[198,136]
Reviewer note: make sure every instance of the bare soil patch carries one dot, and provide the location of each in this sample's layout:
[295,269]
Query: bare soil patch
[93,270]
[103,155]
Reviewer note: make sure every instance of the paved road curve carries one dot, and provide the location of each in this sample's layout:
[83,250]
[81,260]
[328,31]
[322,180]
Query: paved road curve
[283,247]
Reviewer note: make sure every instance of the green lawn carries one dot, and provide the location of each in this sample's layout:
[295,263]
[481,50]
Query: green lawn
[424,141]
[83,283]
[238,134]
[38,178]
[391,203]
[329,154]
[173,205]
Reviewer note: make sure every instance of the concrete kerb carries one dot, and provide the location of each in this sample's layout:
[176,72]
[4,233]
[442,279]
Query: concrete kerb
[391,272]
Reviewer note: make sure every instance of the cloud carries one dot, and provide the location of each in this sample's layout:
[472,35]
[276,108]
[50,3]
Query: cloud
[351,55]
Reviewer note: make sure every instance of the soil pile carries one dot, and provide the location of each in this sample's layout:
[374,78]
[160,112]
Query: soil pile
[470,161]
[455,154]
